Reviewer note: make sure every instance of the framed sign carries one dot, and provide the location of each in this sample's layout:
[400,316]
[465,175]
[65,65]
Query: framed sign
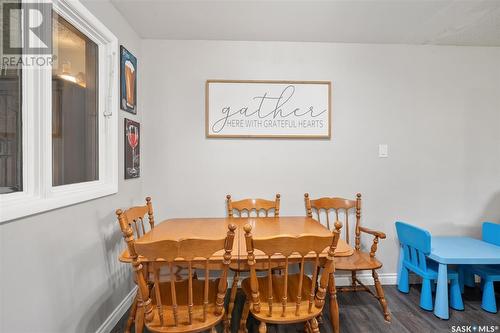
[132,146]
[128,81]
[267,109]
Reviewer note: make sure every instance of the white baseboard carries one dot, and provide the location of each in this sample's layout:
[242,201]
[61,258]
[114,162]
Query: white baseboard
[342,280]
[118,313]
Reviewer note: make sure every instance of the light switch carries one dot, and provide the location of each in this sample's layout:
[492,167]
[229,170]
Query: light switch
[383,150]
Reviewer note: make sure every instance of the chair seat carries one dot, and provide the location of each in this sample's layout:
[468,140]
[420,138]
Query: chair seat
[358,261]
[277,294]
[487,272]
[198,324]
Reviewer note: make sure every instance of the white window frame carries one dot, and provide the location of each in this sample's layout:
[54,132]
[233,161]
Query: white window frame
[38,194]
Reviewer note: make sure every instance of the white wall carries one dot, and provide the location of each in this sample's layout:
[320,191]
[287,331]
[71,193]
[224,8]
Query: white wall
[59,271]
[436,107]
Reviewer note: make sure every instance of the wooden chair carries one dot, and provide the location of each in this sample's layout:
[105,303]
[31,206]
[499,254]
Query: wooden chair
[191,305]
[285,299]
[134,217]
[250,205]
[258,207]
[360,260]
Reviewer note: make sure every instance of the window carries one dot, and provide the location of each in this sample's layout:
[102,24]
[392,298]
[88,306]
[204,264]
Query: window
[58,121]
[75,145]
[10,131]
[11,179]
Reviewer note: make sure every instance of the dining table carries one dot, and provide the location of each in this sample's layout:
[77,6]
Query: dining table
[262,227]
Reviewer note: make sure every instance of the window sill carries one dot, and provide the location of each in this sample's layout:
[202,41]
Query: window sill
[19,205]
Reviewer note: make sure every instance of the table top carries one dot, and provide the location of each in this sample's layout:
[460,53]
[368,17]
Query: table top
[463,250]
[216,228]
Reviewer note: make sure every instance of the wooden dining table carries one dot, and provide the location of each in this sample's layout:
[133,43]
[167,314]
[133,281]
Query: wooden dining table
[262,227]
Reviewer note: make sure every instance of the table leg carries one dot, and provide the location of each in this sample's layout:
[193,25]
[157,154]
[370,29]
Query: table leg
[441,309]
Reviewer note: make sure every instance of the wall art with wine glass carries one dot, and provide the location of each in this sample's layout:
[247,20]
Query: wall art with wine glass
[128,81]
[132,149]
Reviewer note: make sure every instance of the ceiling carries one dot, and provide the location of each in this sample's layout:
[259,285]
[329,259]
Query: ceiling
[442,22]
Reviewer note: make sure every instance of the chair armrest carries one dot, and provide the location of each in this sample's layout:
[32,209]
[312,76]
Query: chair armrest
[375,233]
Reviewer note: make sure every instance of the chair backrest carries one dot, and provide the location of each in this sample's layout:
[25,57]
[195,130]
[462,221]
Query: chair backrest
[134,216]
[491,233]
[287,246]
[342,209]
[253,205]
[168,253]
[415,243]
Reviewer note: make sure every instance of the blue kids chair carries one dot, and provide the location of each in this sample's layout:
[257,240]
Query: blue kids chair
[416,246]
[488,273]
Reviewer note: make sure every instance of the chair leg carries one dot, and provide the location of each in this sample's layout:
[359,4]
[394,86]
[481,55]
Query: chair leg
[353,279]
[139,316]
[232,297]
[262,327]
[380,296]
[334,306]
[307,327]
[489,303]
[404,280]
[213,330]
[244,317]
[426,295]
[131,315]
[469,278]
[461,277]
[455,295]
[314,325]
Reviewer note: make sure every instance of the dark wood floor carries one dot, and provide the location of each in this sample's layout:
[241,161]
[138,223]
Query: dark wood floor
[360,312]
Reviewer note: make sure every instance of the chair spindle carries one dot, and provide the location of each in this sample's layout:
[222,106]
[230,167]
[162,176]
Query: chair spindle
[270,287]
[205,296]
[159,305]
[313,284]
[190,293]
[142,225]
[299,296]
[327,218]
[175,313]
[285,289]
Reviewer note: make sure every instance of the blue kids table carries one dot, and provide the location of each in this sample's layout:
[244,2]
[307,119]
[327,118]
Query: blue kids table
[458,251]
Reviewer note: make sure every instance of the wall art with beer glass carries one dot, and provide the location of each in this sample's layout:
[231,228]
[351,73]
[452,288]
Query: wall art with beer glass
[132,149]
[128,81]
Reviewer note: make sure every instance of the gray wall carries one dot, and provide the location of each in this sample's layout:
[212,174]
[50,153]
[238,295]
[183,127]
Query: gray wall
[436,107]
[59,270]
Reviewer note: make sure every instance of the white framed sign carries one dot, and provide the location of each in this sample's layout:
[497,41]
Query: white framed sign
[267,109]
